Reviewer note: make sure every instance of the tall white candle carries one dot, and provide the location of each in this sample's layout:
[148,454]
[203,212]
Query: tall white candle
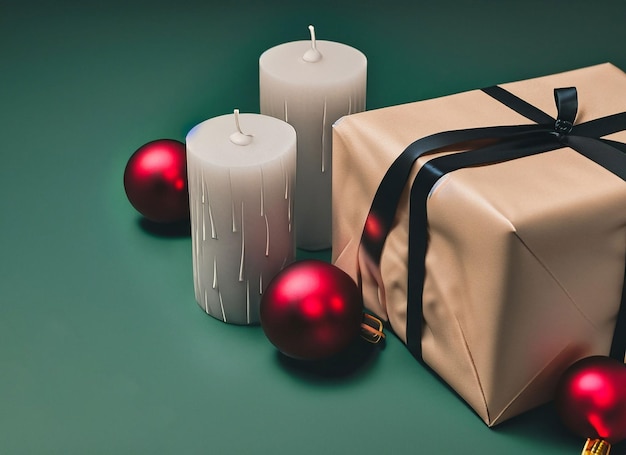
[241,175]
[311,84]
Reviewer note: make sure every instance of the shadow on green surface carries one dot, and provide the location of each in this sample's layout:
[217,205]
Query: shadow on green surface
[356,359]
[544,424]
[167,230]
[541,424]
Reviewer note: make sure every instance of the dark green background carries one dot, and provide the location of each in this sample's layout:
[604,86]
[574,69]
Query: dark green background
[103,349]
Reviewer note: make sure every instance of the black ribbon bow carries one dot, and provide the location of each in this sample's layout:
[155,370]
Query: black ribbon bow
[486,145]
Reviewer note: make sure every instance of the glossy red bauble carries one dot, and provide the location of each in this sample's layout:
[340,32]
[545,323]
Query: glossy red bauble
[155,180]
[591,398]
[311,310]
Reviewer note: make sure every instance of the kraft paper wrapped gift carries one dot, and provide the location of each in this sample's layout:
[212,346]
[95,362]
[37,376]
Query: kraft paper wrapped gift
[522,260]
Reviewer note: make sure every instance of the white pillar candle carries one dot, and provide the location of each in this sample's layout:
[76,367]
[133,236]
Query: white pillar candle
[311,84]
[241,201]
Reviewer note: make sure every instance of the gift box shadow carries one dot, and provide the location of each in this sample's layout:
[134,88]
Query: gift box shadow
[541,424]
[544,424]
[349,363]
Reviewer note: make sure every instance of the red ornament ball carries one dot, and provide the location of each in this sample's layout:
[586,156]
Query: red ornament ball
[311,310]
[591,398]
[155,180]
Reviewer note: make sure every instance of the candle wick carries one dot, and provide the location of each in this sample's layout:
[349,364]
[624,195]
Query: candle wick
[313,43]
[239,137]
[237,124]
[312,55]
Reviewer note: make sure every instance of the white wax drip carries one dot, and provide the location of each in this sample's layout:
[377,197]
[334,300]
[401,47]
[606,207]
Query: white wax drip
[243,245]
[214,272]
[267,236]
[222,306]
[203,186]
[289,205]
[203,228]
[285,177]
[213,229]
[262,193]
[205,189]
[324,136]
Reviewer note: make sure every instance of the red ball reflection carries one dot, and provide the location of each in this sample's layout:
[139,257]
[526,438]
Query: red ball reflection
[311,310]
[155,180]
[374,229]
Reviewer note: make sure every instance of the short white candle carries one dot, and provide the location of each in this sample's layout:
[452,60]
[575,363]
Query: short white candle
[241,175]
[311,84]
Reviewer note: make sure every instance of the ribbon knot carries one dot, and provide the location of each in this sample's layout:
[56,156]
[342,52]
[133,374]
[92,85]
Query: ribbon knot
[563,127]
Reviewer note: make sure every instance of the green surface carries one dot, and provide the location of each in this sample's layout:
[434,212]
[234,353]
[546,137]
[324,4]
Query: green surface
[103,349]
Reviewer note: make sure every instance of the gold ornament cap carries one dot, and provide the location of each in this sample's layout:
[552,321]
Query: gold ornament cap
[372,329]
[596,447]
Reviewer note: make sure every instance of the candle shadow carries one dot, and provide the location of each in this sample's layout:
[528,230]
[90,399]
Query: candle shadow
[350,362]
[176,229]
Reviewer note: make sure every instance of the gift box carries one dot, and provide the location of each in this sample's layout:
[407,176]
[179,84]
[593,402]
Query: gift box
[488,229]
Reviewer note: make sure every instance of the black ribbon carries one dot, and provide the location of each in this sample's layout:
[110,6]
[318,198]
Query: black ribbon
[486,145]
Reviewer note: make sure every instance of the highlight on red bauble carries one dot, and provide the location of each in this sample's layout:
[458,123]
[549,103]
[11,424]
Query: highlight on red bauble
[155,180]
[311,310]
[591,398]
